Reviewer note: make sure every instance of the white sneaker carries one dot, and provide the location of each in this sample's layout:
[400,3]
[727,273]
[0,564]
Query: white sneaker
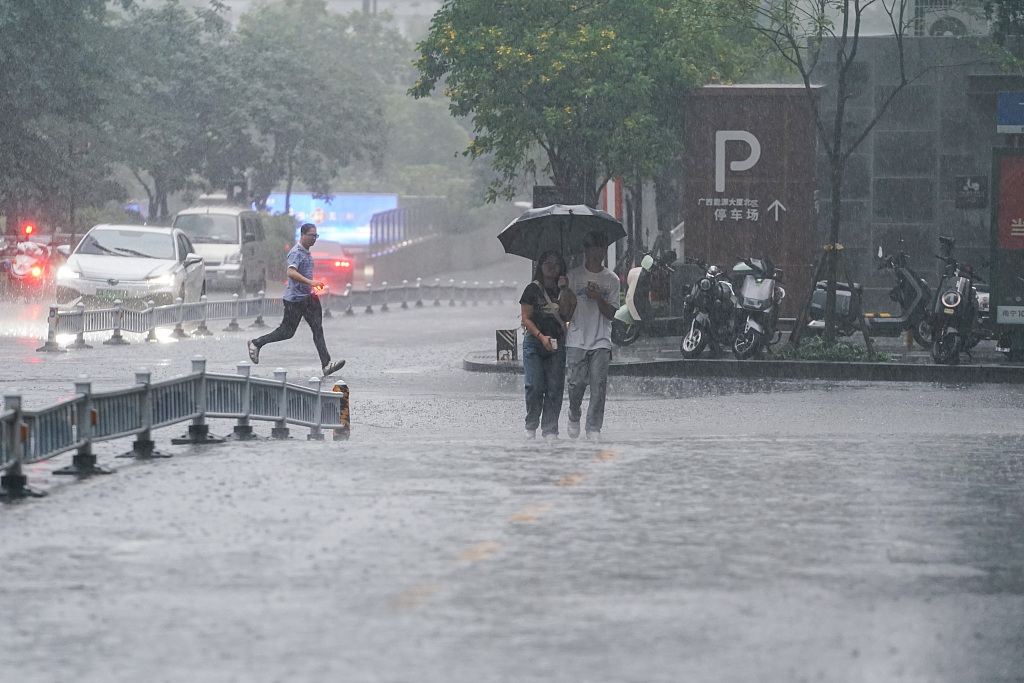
[574,429]
[594,435]
[333,367]
[553,437]
[531,433]
[254,352]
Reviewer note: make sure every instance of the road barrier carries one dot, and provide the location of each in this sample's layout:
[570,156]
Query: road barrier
[28,436]
[117,319]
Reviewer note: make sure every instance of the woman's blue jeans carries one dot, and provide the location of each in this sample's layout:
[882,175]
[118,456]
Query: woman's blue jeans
[545,384]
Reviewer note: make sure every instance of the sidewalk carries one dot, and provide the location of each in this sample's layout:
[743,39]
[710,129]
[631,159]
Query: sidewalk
[659,358]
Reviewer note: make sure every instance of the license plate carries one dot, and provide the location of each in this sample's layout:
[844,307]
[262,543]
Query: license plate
[948,310]
[112,294]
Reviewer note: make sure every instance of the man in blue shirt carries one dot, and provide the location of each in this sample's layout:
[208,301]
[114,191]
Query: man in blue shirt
[300,303]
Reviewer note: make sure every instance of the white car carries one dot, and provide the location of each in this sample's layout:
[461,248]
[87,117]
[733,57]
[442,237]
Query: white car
[132,263]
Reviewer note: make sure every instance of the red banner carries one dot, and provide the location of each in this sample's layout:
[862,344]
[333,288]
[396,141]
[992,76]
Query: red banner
[1011,202]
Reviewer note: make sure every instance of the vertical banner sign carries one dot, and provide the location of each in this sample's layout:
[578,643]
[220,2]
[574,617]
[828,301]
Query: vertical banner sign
[749,173]
[1011,203]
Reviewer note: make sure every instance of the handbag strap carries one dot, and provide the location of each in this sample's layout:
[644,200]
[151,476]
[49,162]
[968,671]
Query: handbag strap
[550,303]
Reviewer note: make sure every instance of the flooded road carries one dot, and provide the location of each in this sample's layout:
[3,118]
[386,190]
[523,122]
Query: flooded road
[729,530]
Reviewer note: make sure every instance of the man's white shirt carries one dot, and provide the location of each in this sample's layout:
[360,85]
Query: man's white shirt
[588,329]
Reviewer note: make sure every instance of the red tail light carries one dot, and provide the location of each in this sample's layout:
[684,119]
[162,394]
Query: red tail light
[342,264]
[37,271]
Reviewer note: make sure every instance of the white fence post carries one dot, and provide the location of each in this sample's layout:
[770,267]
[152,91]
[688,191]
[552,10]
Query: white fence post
[325,302]
[144,446]
[203,330]
[79,342]
[14,483]
[315,433]
[233,325]
[369,298]
[179,329]
[116,339]
[83,463]
[419,292]
[50,345]
[348,299]
[280,429]
[405,294]
[384,296]
[258,323]
[243,430]
[199,431]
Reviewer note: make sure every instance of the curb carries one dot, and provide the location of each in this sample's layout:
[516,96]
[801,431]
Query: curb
[483,361]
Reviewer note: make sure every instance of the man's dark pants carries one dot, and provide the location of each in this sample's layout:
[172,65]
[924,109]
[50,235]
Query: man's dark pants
[307,309]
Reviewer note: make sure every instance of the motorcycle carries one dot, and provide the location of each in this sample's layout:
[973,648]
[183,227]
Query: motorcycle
[954,317]
[26,270]
[757,306]
[709,311]
[637,315]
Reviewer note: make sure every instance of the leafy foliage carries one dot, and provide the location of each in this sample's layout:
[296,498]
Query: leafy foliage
[1007,17]
[311,110]
[818,348]
[597,84]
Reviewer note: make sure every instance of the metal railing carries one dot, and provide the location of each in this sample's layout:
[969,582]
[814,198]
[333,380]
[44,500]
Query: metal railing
[79,321]
[75,424]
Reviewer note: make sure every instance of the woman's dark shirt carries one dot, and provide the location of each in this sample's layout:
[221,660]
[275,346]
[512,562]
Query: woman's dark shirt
[545,321]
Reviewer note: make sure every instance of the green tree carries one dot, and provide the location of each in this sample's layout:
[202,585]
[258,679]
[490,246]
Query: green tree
[311,110]
[52,55]
[598,85]
[1006,17]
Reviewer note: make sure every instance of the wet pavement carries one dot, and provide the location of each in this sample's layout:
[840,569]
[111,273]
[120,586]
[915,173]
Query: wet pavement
[723,530]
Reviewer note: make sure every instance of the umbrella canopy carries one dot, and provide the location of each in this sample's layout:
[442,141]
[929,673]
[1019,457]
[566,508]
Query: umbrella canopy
[560,227]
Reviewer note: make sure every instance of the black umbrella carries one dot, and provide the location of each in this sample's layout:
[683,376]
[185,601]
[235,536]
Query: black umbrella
[561,227]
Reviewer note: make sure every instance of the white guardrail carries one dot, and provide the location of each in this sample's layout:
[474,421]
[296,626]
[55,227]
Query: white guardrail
[79,321]
[29,436]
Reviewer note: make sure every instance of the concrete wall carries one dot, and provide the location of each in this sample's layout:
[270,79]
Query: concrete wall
[900,182]
[439,254]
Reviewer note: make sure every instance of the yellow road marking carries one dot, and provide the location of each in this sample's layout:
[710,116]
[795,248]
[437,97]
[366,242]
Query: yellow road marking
[480,551]
[570,479]
[607,455]
[413,598]
[530,513]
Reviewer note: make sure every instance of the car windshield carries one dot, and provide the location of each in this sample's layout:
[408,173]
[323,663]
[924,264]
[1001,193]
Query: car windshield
[208,228]
[137,243]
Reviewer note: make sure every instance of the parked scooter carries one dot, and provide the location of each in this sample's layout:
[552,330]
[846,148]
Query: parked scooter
[637,315]
[757,306]
[708,312]
[955,311]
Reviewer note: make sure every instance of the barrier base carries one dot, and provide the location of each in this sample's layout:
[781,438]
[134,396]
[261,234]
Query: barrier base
[79,344]
[151,337]
[202,331]
[143,449]
[280,433]
[233,327]
[116,340]
[319,436]
[179,333]
[243,433]
[51,347]
[83,465]
[258,324]
[15,487]
[198,434]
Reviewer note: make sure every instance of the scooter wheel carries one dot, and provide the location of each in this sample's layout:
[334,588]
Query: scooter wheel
[946,349]
[693,342]
[623,334]
[747,344]
[922,332]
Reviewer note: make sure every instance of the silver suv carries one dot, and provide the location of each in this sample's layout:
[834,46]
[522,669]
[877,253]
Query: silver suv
[232,242]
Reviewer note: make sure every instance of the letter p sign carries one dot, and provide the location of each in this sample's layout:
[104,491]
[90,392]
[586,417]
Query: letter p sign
[723,136]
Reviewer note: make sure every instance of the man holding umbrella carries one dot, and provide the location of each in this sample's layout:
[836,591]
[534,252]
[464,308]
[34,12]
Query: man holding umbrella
[592,300]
